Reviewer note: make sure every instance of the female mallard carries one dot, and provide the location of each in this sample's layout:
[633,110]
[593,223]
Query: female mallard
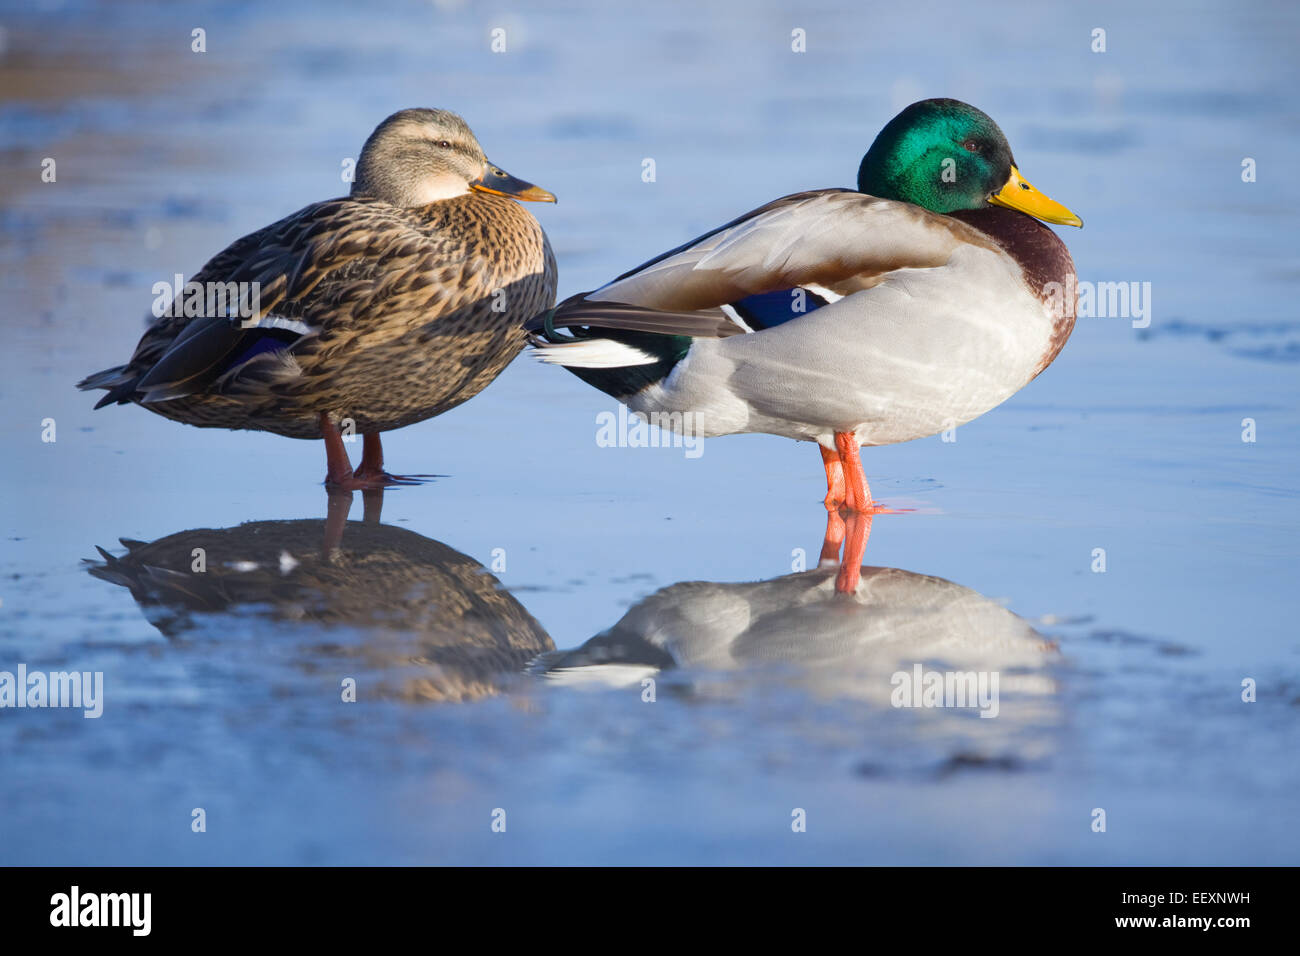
[365,313]
[845,318]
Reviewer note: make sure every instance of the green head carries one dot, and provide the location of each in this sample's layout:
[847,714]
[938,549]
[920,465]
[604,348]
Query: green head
[945,155]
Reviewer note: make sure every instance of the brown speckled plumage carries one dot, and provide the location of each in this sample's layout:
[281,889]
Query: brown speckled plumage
[412,309]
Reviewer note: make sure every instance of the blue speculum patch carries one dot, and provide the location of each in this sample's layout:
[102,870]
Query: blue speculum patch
[767,309]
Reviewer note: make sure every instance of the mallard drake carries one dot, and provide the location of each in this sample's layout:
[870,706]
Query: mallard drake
[848,318]
[360,314]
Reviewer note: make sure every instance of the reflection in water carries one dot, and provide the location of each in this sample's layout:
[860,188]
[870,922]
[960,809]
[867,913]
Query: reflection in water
[436,617]
[437,626]
[798,651]
[803,629]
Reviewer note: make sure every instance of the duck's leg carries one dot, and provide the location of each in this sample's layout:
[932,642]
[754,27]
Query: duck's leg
[857,495]
[372,457]
[834,478]
[857,531]
[338,468]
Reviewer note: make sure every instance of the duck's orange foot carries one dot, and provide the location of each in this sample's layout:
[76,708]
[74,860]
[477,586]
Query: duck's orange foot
[876,508]
[847,491]
[844,509]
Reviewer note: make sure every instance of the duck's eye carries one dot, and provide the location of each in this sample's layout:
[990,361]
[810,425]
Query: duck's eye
[444,144]
[971,146]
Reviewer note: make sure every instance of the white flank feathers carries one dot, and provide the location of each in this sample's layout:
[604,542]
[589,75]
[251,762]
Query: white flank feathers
[592,353]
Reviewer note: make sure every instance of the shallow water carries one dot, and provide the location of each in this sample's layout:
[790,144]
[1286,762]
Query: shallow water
[1120,690]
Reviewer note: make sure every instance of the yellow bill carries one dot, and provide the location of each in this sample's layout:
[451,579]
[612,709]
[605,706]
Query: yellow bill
[1018,194]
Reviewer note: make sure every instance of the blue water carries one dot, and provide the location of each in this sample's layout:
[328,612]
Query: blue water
[1122,690]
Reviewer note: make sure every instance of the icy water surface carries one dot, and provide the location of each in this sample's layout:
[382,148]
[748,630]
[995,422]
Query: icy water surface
[499,622]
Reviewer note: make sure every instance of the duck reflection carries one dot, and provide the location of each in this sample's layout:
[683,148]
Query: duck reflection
[446,628]
[805,628]
[418,609]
